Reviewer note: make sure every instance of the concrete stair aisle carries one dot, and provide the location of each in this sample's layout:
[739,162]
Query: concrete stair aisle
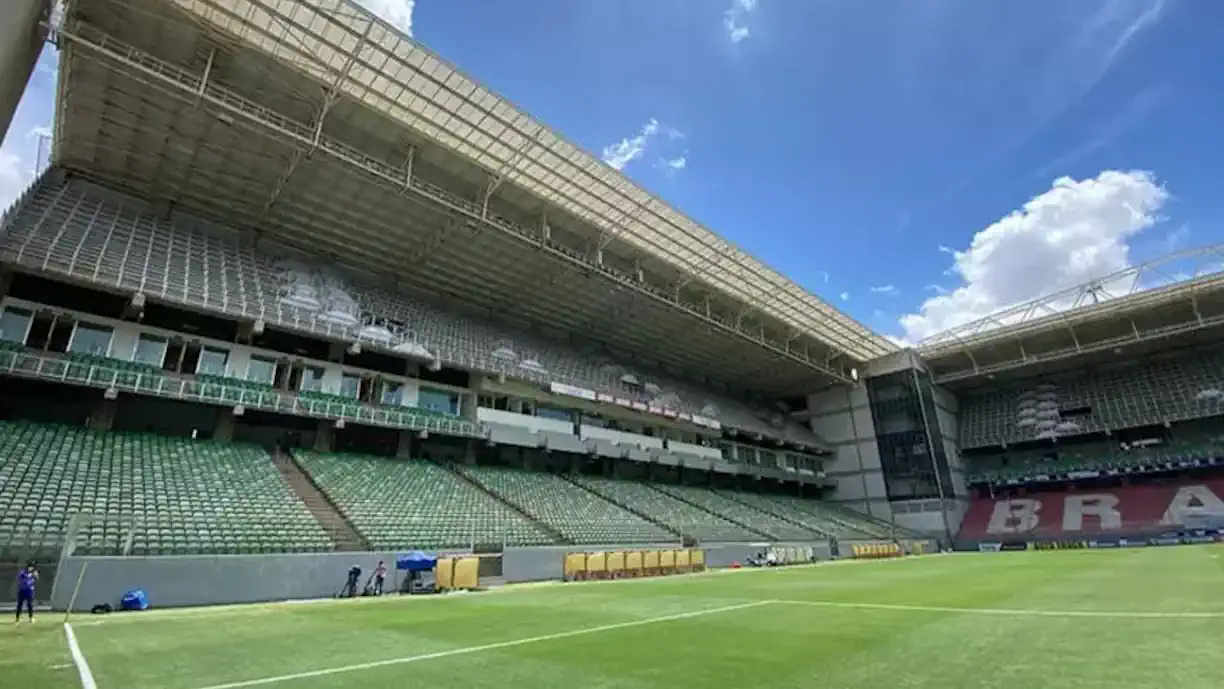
[338,527]
[623,506]
[552,533]
[682,498]
[780,514]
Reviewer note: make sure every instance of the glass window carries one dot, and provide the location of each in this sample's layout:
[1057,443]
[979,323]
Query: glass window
[393,394]
[553,413]
[150,349]
[262,370]
[438,401]
[213,362]
[91,339]
[14,325]
[350,385]
[312,379]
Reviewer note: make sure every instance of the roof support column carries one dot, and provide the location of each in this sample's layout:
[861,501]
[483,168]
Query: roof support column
[679,285]
[281,182]
[604,240]
[408,161]
[496,179]
[212,54]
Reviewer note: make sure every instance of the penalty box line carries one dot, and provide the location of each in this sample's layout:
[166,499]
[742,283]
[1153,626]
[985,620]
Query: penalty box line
[466,650]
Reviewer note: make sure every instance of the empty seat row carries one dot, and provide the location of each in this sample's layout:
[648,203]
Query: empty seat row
[145,493]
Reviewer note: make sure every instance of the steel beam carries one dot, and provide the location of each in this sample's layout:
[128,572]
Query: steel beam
[156,72]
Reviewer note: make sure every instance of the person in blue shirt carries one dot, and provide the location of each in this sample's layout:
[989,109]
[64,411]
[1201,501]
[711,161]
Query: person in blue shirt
[26,579]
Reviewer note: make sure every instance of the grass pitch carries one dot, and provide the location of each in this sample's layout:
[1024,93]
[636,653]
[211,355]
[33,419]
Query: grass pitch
[1125,618]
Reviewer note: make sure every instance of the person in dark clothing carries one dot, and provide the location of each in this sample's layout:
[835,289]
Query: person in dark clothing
[350,587]
[26,580]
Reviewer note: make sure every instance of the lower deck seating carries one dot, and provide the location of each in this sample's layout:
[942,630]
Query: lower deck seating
[163,494]
[413,503]
[576,513]
[820,516]
[782,507]
[742,512]
[676,514]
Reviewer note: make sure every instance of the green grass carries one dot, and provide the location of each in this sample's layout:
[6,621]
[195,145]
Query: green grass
[952,626]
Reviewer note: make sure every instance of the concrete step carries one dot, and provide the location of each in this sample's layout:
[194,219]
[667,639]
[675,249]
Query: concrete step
[325,512]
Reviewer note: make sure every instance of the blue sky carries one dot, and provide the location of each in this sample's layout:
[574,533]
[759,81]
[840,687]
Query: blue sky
[918,163]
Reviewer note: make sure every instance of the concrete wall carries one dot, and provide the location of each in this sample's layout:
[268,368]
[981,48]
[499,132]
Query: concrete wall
[21,40]
[174,581]
[842,416]
[538,564]
[189,580]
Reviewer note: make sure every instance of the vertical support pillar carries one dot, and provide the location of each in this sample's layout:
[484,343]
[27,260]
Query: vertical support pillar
[224,429]
[324,437]
[103,417]
[469,451]
[404,445]
[335,352]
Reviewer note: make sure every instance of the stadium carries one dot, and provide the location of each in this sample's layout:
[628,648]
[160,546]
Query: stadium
[296,295]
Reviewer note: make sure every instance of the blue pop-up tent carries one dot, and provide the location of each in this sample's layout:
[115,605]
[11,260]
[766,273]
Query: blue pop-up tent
[415,561]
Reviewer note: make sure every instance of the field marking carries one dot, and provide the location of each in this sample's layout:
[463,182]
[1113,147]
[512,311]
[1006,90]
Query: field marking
[466,650]
[82,665]
[1015,612]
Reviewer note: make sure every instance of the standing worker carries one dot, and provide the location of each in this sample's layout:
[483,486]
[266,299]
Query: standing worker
[26,579]
[380,575]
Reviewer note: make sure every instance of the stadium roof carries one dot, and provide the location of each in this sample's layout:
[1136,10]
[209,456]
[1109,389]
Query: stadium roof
[320,124]
[1174,295]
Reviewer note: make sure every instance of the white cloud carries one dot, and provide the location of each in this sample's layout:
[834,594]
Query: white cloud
[19,158]
[845,296]
[937,289]
[20,150]
[1177,238]
[673,165]
[884,289]
[1073,233]
[397,13]
[620,154]
[734,19]
[14,176]
[627,150]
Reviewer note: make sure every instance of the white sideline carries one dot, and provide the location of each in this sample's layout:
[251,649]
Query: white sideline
[78,658]
[1015,612]
[484,647]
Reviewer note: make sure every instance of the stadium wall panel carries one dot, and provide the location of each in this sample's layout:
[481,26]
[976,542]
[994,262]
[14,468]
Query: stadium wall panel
[842,416]
[545,563]
[187,580]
